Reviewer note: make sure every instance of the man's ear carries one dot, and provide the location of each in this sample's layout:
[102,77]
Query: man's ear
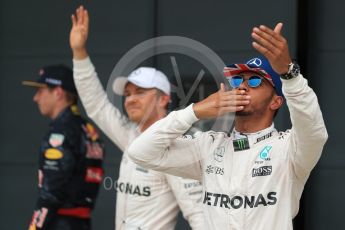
[59,93]
[164,100]
[276,102]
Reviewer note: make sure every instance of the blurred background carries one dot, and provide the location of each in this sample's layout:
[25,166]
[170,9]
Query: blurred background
[36,33]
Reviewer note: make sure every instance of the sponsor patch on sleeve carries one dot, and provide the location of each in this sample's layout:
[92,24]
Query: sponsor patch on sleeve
[94,175]
[94,151]
[91,131]
[38,218]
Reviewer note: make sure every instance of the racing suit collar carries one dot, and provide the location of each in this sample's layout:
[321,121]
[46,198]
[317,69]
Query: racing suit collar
[63,115]
[256,137]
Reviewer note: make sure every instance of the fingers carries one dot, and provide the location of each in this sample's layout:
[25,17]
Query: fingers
[233,92]
[264,38]
[278,28]
[233,103]
[221,102]
[86,19]
[76,17]
[272,33]
[222,87]
[234,99]
[267,41]
[230,109]
[264,34]
[81,18]
[74,20]
[234,96]
[263,50]
[273,46]
[80,15]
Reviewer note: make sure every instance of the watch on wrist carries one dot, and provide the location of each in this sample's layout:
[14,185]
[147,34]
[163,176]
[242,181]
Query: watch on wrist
[293,71]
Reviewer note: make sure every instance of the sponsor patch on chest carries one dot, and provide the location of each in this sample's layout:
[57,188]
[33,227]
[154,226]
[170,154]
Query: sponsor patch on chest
[262,171]
[264,155]
[240,201]
[56,139]
[211,169]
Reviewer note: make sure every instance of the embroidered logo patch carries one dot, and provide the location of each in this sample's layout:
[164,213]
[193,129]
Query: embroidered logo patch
[91,131]
[56,139]
[219,153]
[240,144]
[264,154]
[53,154]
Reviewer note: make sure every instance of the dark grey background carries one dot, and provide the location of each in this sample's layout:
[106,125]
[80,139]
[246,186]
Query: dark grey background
[36,33]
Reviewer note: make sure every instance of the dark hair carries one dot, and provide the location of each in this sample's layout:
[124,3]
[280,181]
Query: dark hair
[71,97]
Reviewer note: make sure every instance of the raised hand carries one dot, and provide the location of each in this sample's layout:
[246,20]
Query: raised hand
[273,46]
[79,33]
[220,103]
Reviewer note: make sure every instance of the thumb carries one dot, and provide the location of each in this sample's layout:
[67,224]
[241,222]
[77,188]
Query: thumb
[222,87]
[278,28]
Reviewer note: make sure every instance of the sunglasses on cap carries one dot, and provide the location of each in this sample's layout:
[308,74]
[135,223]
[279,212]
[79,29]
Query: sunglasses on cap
[253,81]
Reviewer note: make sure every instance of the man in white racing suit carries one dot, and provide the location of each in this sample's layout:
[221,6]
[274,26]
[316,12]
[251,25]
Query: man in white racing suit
[254,177]
[146,199]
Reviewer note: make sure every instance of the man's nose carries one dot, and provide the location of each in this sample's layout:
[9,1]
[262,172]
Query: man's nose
[35,97]
[131,98]
[243,85]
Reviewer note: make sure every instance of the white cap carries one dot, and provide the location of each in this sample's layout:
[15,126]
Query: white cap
[144,77]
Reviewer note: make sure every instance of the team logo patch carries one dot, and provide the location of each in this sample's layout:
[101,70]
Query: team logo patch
[91,132]
[210,169]
[262,171]
[240,144]
[94,151]
[94,175]
[53,154]
[56,139]
[219,153]
[75,110]
[255,61]
[265,152]
[264,137]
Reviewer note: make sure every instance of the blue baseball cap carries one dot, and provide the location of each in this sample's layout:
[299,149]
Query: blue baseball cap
[53,76]
[259,65]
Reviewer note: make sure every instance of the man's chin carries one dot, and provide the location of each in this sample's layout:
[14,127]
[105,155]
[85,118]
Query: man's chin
[135,118]
[243,113]
[42,112]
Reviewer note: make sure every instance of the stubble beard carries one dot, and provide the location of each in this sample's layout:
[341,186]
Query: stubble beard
[243,113]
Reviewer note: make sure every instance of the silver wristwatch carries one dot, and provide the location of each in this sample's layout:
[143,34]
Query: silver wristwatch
[293,71]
